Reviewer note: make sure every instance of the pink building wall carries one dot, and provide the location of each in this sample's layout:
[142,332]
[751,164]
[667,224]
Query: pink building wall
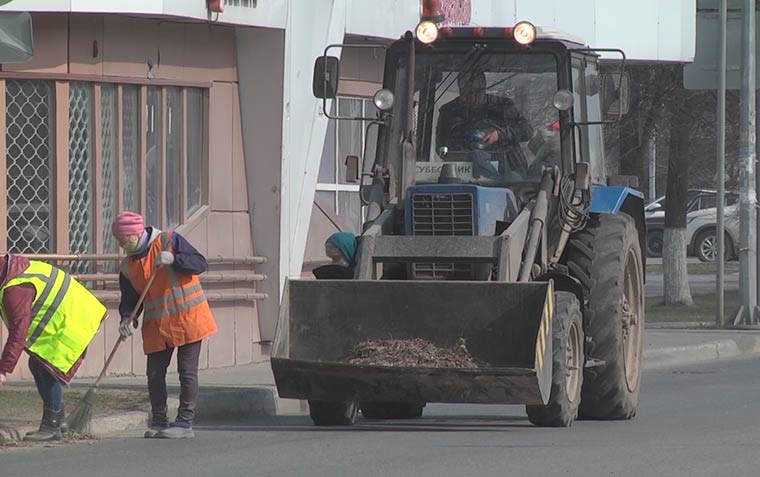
[99,47]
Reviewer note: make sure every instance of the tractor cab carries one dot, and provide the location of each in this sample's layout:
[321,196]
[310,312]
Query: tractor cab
[491,107]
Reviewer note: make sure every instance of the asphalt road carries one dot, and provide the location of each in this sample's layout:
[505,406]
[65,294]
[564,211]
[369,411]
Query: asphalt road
[697,421]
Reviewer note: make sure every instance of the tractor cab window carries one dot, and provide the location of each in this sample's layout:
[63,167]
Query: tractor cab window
[592,83]
[589,139]
[491,115]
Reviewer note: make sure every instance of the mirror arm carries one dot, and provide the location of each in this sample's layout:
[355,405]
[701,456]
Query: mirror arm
[324,100]
[620,85]
[620,80]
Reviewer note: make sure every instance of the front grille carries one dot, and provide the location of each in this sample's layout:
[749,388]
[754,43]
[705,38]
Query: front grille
[442,271]
[442,215]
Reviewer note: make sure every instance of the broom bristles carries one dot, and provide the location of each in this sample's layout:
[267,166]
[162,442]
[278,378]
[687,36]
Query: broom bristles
[80,420]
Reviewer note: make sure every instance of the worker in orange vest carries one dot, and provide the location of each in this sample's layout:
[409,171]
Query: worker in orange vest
[175,314]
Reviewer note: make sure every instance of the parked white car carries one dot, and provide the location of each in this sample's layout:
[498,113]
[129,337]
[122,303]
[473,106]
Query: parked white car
[701,220]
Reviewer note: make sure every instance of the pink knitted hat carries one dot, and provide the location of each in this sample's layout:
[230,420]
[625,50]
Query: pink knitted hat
[128,223]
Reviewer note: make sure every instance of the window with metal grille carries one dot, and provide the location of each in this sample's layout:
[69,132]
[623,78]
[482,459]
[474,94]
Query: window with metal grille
[29,157]
[109,180]
[108,161]
[104,176]
[80,171]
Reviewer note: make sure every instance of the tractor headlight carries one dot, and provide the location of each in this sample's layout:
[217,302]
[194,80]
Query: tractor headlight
[427,32]
[524,33]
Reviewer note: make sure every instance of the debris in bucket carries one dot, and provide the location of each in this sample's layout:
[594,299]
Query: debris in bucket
[414,353]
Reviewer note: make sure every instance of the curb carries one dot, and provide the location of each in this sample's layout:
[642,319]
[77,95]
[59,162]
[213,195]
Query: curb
[100,426]
[691,354]
[724,349]
[241,404]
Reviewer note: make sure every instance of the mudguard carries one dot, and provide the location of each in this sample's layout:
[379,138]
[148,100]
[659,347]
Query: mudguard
[610,199]
[616,199]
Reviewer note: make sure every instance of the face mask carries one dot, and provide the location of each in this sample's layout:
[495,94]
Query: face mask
[130,245]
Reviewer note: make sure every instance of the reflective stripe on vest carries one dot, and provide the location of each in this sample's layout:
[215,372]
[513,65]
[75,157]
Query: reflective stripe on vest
[65,315]
[179,299]
[51,308]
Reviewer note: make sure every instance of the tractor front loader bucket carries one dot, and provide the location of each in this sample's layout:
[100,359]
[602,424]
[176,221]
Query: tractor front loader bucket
[504,327]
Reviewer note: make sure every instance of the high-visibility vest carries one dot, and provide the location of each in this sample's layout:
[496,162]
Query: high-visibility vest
[65,315]
[175,310]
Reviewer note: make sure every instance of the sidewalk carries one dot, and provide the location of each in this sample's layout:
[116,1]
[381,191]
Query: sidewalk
[246,392]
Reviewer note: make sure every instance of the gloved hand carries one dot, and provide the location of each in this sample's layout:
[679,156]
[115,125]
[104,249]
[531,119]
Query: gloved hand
[125,328]
[491,136]
[165,258]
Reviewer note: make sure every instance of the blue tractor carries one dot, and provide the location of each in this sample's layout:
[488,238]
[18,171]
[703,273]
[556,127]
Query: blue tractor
[492,227]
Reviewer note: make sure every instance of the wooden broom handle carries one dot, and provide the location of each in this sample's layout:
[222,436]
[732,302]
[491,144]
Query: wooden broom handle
[131,319]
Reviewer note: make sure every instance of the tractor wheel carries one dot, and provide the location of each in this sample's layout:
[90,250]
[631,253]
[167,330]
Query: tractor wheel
[333,413]
[567,365]
[391,410]
[606,258]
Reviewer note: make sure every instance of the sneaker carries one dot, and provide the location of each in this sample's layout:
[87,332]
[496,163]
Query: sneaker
[176,430]
[154,429]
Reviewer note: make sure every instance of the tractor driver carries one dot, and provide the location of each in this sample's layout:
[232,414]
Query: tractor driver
[489,126]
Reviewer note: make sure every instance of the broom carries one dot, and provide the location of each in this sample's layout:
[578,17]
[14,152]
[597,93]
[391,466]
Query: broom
[80,421]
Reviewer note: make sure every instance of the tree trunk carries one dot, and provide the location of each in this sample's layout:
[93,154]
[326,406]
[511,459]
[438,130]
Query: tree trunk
[676,278]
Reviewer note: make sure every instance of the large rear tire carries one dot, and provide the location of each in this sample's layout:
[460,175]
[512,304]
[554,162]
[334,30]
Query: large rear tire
[567,365]
[606,258]
[391,410]
[333,413]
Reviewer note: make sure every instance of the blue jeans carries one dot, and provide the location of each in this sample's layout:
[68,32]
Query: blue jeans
[48,386]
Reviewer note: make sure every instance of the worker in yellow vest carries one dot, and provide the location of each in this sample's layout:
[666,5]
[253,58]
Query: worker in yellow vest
[53,318]
[175,314]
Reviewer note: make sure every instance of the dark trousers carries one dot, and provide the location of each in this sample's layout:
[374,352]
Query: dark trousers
[48,386]
[187,367]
